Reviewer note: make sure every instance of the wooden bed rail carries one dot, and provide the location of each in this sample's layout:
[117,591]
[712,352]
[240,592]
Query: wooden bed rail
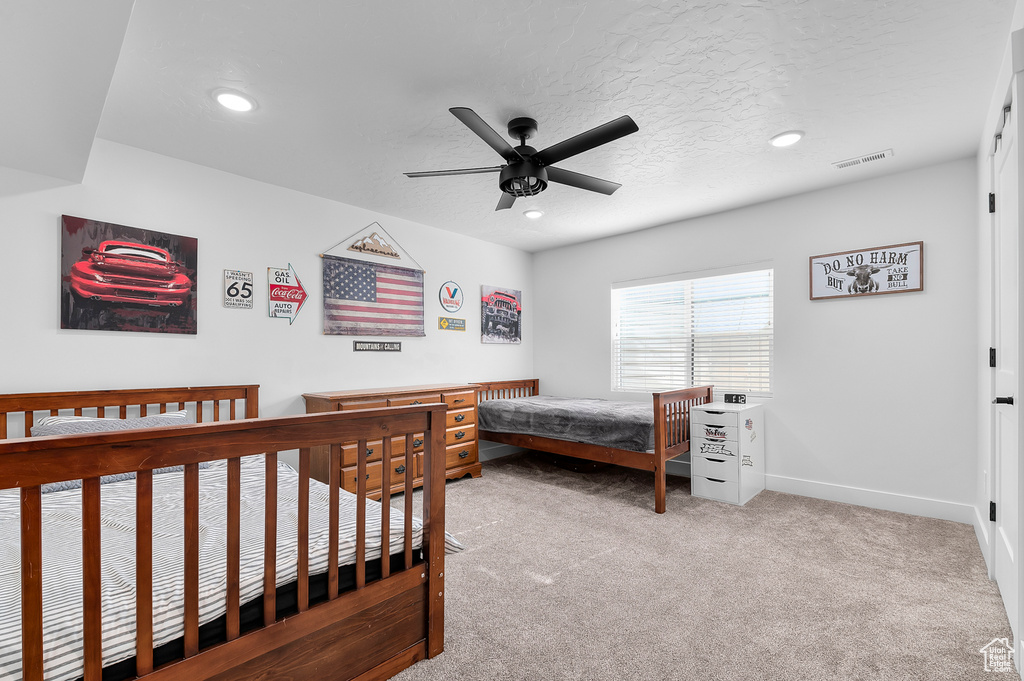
[507,390]
[672,417]
[205,402]
[28,463]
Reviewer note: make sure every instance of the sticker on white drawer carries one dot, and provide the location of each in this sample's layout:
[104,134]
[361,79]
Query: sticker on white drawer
[715,431]
[705,446]
[720,490]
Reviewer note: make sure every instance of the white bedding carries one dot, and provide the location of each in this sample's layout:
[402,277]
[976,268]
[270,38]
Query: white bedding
[62,561]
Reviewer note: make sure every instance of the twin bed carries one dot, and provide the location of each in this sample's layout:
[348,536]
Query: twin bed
[622,433]
[214,560]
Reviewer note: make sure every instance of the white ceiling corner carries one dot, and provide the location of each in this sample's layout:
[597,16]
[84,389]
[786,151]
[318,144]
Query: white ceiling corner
[351,95]
[58,59]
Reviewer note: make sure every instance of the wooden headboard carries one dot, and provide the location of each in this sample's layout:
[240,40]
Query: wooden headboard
[506,390]
[21,408]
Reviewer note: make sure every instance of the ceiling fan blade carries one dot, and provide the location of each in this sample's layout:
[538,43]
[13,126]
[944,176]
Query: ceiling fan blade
[486,133]
[461,171]
[595,137]
[505,201]
[572,179]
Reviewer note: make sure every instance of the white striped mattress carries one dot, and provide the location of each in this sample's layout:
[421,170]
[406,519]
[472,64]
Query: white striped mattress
[62,558]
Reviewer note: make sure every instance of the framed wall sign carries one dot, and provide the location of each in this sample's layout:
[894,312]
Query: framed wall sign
[238,289]
[868,272]
[121,278]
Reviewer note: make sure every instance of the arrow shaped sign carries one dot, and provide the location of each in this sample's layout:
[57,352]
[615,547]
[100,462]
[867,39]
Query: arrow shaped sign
[286,292]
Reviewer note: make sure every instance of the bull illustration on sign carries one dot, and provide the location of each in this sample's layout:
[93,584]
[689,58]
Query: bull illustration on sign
[862,281]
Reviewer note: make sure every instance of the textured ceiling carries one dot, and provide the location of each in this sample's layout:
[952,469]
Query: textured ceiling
[351,95]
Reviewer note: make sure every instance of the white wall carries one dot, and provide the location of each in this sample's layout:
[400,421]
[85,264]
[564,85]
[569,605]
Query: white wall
[873,397]
[240,224]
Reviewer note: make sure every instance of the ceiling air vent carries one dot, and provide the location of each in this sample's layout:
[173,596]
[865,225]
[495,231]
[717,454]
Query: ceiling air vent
[861,160]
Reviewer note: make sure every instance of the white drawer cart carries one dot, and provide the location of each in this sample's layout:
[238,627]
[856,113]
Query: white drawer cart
[727,451]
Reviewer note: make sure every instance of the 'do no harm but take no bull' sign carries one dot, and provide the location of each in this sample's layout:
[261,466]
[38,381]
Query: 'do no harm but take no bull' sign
[872,271]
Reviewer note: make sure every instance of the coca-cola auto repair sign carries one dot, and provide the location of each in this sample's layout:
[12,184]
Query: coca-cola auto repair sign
[286,292]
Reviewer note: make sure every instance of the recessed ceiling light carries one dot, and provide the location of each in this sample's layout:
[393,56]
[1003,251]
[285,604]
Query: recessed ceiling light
[533,213]
[786,139]
[235,101]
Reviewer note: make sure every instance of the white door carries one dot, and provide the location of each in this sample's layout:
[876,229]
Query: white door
[1006,319]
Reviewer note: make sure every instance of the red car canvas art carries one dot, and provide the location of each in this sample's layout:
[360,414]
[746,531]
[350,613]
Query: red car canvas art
[126,272]
[120,278]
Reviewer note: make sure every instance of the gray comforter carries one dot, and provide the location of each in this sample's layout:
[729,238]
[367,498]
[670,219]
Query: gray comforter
[622,425]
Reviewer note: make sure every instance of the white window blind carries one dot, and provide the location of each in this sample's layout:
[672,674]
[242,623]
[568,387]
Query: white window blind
[715,330]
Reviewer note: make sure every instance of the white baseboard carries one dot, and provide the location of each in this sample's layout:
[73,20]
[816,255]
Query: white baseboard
[886,501]
[982,526]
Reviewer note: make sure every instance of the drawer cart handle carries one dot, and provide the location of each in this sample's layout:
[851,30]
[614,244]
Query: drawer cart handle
[461,399]
[713,425]
[716,413]
[460,418]
[459,435]
[464,453]
[416,402]
[717,460]
[417,443]
[400,469]
[715,480]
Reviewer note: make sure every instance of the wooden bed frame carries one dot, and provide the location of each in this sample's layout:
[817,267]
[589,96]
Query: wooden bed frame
[671,431]
[372,631]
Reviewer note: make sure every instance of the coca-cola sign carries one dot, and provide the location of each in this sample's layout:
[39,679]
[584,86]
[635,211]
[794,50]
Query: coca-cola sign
[286,292]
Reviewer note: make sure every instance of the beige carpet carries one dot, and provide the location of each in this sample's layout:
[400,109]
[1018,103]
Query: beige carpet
[573,576]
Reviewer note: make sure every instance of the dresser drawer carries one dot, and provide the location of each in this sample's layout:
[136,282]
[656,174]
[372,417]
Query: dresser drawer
[460,417]
[702,446]
[721,468]
[460,400]
[460,435]
[426,398]
[722,418]
[460,455]
[364,404]
[350,474]
[718,489]
[713,432]
[375,449]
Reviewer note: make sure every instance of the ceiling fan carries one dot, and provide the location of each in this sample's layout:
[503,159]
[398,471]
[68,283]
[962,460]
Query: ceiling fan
[527,171]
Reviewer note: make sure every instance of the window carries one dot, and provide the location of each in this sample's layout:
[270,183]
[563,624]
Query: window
[714,330]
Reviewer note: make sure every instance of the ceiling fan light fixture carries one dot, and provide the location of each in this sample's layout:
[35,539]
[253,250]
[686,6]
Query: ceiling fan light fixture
[533,213]
[523,179]
[787,139]
[234,100]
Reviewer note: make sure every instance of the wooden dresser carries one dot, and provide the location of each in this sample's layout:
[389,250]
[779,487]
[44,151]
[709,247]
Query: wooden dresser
[461,455]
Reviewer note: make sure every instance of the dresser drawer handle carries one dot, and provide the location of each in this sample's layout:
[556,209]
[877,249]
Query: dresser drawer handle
[464,453]
[459,435]
[416,402]
[417,442]
[459,418]
[461,399]
[400,469]
[715,480]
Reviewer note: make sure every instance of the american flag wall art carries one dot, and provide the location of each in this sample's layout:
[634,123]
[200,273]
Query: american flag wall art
[370,299]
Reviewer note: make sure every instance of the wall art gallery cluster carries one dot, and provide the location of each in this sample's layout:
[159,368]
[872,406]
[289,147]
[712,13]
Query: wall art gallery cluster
[121,278]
